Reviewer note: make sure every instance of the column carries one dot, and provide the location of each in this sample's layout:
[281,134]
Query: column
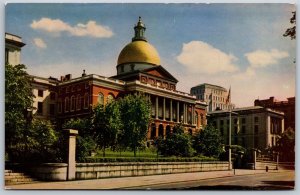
[71,145]
[164,108]
[156,130]
[171,110]
[177,112]
[156,107]
[164,133]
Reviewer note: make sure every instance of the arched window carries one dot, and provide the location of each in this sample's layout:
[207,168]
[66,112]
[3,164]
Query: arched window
[86,100]
[201,119]
[101,99]
[110,98]
[67,104]
[73,103]
[78,104]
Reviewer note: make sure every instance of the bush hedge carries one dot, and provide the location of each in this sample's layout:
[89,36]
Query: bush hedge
[132,159]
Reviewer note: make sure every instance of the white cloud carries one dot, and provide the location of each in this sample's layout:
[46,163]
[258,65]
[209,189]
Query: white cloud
[261,58]
[91,28]
[39,43]
[200,57]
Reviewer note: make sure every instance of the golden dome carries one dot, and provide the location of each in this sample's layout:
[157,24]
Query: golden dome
[139,52]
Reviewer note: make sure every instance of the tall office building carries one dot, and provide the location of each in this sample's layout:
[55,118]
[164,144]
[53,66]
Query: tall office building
[216,97]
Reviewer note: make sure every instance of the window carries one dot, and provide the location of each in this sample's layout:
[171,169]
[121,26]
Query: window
[59,105]
[40,108]
[235,130]
[73,103]
[52,95]
[6,56]
[243,129]
[256,129]
[67,89]
[222,131]
[78,104]
[132,67]
[110,98]
[52,109]
[256,119]
[101,99]
[40,93]
[122,68]
[243,120]
[235,121]
[67,104]
[86,100]
[221,122]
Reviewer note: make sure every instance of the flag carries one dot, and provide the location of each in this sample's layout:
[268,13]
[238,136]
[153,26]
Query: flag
[228,100]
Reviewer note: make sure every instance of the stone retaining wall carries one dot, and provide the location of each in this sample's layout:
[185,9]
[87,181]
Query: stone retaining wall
[58,171]
[106,170]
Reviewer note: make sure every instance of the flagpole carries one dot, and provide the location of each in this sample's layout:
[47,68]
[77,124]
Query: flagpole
[229,133]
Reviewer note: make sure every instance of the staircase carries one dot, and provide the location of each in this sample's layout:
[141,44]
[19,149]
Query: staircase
[14,177]
[264,161]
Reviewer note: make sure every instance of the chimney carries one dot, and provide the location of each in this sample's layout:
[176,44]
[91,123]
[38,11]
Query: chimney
[83,74]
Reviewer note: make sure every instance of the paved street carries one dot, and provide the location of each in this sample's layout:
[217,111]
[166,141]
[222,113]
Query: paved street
[242,179]
[269,181]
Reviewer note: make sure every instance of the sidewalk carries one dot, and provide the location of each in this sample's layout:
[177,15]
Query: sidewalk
[125,182]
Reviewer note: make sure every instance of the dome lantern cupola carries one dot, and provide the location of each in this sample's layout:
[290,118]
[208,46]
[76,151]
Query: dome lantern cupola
[139,31]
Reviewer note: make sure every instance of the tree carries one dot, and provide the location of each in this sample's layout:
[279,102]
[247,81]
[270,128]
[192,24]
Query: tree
[86,137]
[18,104]
[107,124]
[208,142]
[37,143]
[135,115]
[286,145]
[176,144]
[291,32]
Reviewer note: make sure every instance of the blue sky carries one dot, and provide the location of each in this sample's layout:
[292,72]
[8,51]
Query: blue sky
[237,45]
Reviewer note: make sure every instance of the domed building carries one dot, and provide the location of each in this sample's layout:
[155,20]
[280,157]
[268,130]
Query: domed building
[138,70]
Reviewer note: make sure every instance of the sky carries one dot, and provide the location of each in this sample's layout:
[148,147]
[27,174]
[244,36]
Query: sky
[232,45]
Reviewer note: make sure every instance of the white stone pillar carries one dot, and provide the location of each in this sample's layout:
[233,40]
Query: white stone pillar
[71,136]
[156,107]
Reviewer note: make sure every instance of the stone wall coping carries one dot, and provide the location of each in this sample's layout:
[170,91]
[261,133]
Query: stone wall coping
[146,163]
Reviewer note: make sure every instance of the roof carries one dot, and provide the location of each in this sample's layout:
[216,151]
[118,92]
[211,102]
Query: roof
[210,85]
[244,109]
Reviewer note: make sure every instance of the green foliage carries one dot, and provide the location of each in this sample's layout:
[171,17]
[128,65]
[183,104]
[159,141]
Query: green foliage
[107,124]
[291,32]
[208,142]
[176,144]
[286,146]
[85,142]
[18,101]
[135,115]
[37,143]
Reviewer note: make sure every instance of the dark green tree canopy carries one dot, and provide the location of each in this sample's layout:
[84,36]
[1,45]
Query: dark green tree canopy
[291,32]
[135,115]
[208,142]
[176,144]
